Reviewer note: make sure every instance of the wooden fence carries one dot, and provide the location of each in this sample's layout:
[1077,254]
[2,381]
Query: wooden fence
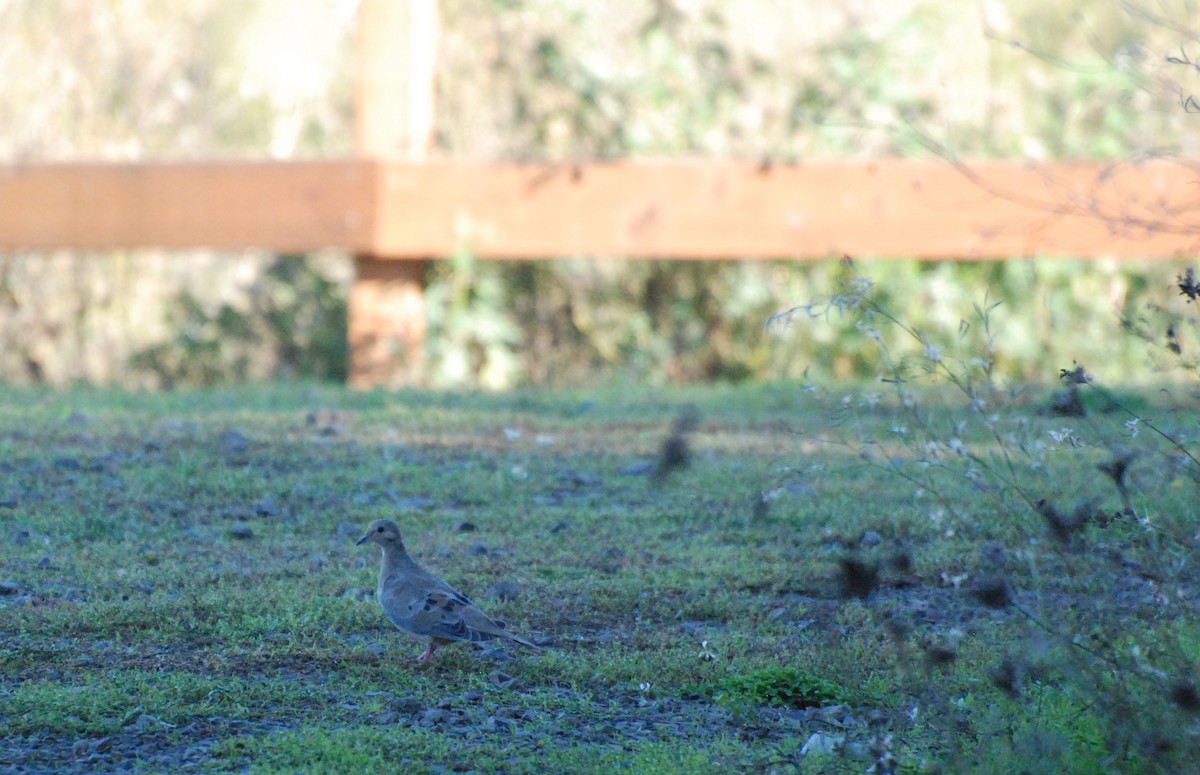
[395,208]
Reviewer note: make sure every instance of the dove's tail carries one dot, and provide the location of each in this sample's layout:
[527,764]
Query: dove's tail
[516,638]
[529,644]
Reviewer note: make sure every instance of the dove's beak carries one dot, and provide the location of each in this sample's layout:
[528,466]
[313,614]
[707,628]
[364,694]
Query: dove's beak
[363,540]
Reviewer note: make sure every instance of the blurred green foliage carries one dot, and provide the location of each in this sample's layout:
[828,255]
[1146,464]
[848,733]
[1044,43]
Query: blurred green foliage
[292,325]
[1047,80]
[550,81]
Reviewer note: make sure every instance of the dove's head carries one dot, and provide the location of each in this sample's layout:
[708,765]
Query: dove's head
[383,532]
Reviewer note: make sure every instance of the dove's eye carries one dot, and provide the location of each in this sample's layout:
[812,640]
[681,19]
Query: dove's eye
[379,529]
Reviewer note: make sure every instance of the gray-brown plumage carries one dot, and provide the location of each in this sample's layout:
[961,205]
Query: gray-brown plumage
[420,603]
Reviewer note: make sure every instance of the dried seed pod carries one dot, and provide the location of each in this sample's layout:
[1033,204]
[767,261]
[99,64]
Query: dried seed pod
[993,592]
[856,577]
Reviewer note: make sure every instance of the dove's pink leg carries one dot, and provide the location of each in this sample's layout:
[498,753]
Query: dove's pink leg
[427,656]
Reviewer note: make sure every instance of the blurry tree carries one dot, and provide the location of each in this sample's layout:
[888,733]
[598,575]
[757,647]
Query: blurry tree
[559,81]
[288,323]
[194,79]
[784,80]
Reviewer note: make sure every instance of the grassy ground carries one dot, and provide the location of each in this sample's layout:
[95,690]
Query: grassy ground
[834,582]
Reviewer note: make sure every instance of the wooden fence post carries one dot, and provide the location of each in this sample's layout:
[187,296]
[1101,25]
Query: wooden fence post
[395,60]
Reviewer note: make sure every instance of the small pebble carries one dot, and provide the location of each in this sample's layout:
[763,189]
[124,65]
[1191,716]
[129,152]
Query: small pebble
[408,706]
[504,590]
[870,538]
[67,463]
[432,717]
[234,442]
[503,680]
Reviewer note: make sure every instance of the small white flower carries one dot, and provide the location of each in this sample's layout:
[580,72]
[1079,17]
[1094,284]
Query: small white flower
[933,354]
[869,331]
[1065,436]
[786,318]
[1131,426]
[954,580]
[860,283]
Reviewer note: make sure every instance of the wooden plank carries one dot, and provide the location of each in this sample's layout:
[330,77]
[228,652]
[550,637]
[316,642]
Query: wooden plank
[395,56]
[294,206]
[385,324]
[723,209]
[638,209]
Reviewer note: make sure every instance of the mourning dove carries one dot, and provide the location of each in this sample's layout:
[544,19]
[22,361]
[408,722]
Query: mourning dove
[420,603]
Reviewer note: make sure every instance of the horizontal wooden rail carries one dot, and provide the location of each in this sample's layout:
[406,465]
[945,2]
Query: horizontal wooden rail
[687,209]
[285,206]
